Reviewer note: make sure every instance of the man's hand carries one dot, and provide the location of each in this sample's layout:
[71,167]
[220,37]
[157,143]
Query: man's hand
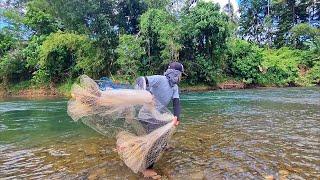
[175,121]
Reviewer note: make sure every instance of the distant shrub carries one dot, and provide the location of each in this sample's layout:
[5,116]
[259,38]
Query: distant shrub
[314,74]
[281,66]
[63,56]
[12,67]
[244,60]
[31,52]
[270,67]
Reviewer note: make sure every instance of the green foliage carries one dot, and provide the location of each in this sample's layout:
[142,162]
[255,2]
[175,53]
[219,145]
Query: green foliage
[253,19]
[6,43]
[12,67]
[129,55]
[20,86]
[314,74]
[157,4]
[266,67]
[169,37]
[15,27]
[31,52]
[160,33]
[311,77]
[65,55]
[54,41]
[207,28]
[65,88]
[244,60]
[305,35]
[202,71]
[41,76]
[281,66]
[96,20]
[315,45]
[38,18]
[287,14]
[205,31]
[268,22]
[128,15]
[309,57]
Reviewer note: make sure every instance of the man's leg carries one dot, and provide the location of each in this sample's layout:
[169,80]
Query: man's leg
[149,172]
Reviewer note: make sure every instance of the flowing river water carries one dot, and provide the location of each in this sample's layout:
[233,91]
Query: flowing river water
[232,134]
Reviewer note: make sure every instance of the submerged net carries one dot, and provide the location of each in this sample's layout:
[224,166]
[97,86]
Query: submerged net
[133,116]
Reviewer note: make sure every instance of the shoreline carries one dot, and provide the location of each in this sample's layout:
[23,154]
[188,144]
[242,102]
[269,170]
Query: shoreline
[55,93]
[32,93]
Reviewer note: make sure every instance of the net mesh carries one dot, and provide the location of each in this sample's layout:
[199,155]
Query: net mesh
[132,116]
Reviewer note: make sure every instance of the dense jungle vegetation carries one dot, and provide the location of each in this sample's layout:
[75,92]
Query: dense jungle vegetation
[266,43]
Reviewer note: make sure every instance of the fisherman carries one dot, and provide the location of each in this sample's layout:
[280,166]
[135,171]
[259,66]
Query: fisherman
[164,88]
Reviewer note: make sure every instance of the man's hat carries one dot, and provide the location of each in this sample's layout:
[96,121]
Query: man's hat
[177,66]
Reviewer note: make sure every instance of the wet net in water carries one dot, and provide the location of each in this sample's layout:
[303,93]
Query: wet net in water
[142,127]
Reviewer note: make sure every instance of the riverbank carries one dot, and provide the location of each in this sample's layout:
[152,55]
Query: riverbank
[26,90]
[63,90]
[41,92]
[230,84]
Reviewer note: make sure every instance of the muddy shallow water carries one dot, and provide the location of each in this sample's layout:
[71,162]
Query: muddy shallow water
[246,134]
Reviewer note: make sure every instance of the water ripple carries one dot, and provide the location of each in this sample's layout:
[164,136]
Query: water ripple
[247,134]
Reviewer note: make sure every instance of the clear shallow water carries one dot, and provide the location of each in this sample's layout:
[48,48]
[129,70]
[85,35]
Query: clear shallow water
[246,134]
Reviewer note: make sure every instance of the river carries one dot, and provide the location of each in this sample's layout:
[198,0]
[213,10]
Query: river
[230,134]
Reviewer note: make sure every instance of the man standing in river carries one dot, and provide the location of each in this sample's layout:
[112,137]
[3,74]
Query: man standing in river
[164,88]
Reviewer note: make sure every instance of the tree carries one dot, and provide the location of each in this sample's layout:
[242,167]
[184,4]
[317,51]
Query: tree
[160,33]
[252,20]
[129,12]
[269,21]
[95,19]
[129,53]
[7,43]
[304,35]
[14,23]
[285,15]
[157,4]
[39,19]
[31,52]
[244,60]
[170,38]
[205,31]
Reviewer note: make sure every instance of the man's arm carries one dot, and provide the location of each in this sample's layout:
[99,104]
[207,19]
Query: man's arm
[176,102]
[176,108]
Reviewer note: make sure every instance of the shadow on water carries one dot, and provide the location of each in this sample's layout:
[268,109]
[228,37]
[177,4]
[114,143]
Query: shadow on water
[247,134]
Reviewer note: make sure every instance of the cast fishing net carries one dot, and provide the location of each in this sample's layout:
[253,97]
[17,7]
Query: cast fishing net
[140,124]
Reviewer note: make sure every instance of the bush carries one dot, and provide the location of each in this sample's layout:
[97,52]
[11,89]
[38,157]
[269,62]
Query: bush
[7,43]
[312,77]
[12,67]
[244,61]
[314,74]
[267,67]
[281,66]
[202,70]
[65,55]
[31,52]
